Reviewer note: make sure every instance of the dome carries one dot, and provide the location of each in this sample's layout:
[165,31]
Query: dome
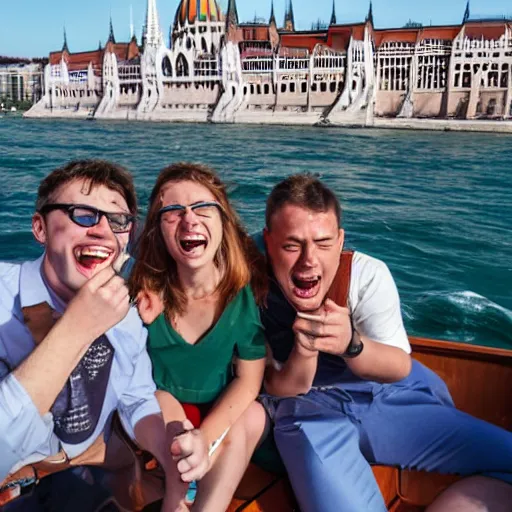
[198,10]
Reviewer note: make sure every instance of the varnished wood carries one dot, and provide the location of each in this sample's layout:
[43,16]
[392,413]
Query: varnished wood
[479,380]
[387,477]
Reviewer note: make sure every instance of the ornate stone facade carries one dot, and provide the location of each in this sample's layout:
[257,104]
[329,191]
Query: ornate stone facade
[218,69]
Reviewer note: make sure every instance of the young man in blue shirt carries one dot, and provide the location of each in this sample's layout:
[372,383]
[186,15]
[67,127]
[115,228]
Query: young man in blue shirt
[72,350]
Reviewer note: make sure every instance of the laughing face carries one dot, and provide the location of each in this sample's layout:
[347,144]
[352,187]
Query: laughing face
[304,248]
[192,235]
[73,254]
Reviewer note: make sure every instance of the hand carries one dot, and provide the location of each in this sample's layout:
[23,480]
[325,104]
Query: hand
[101,303]
[150,305]
[190,450]
[328,329]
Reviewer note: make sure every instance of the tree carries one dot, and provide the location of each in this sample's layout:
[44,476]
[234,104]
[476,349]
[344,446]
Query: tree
[412,24]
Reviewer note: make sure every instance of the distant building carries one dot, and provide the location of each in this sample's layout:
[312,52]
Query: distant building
[218,69]
[21,81]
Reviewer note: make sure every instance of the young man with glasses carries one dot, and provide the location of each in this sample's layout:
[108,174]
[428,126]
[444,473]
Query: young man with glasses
[72,350]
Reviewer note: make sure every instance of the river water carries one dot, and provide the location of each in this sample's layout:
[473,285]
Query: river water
[435,206]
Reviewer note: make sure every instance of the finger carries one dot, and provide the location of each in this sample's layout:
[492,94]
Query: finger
[176,450]
[185,443]
[122,300]
[185,465]
[330,306]
[311,318]
[99,279]
[115,283]
[307,342]
[188,425]
[195,473]
[309,328]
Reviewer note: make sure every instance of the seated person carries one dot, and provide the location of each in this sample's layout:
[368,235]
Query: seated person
[348,393]
[195,259]
[72,351]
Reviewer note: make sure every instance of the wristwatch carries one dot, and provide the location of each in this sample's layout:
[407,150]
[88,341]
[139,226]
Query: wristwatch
[356,345]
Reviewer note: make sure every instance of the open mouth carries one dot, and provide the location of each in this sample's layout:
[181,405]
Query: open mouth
[90,257]
[306,287]
[191,243]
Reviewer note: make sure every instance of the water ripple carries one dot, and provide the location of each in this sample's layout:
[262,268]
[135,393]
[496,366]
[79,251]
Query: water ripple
[436,207]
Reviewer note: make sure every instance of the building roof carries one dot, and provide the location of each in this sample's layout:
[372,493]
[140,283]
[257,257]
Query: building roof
[81,60]
[198,10]
[490,30]
[445,33]
[338,37]
[307,40]
[403,35]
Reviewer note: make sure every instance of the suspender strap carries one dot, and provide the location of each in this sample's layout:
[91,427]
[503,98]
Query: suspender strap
[341,284]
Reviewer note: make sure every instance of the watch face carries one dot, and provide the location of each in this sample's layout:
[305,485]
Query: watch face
[355,346]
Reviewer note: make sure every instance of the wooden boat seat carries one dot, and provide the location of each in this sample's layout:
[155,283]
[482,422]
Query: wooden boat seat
[475,376]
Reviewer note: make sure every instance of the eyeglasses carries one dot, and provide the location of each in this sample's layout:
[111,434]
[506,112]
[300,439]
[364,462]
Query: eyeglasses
[203,209]
[88,216]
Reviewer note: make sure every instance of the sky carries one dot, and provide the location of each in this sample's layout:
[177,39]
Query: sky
[33,28]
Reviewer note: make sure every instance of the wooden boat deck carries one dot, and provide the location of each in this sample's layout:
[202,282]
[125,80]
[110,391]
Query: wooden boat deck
[475,376]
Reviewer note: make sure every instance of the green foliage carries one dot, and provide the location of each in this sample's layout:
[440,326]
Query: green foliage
[8,103]
[412,24]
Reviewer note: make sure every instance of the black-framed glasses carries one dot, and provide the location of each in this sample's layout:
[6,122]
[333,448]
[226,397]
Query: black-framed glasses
[204,209]
[88,216]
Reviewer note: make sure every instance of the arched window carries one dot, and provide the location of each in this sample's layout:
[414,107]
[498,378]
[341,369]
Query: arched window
[166,66]
[181,66]
[204,46]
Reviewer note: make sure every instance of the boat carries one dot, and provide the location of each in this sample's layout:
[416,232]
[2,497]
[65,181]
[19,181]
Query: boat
[475,376]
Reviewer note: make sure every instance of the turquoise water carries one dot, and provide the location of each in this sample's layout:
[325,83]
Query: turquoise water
[437,207]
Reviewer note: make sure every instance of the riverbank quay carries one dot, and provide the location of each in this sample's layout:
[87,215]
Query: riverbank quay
[287,119]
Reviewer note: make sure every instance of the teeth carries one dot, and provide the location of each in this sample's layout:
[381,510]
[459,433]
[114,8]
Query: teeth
[93,253]
[193,238]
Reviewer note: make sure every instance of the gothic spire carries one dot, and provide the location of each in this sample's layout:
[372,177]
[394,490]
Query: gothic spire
[232,14]
[333,15]
[151,33]
[272,14]
[65,45]
[466,13]
[369,17]
[111,37]
[99,45]
[289,21]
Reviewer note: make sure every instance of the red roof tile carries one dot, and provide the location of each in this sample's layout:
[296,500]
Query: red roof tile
[303,40]
[490,31]
[398,36]
[442,33]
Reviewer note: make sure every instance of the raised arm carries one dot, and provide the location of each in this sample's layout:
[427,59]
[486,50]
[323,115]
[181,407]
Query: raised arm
[99,305]
[28,389]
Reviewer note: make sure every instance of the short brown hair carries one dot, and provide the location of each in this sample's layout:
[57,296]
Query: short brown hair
[156,270]
[304,190]
[94,173]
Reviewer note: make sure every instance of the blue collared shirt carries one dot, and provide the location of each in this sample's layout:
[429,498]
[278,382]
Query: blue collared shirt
[25,435]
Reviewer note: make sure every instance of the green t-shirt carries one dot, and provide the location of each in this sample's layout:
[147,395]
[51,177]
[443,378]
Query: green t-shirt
[199,373]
